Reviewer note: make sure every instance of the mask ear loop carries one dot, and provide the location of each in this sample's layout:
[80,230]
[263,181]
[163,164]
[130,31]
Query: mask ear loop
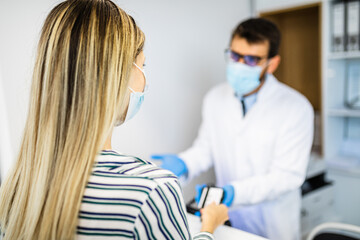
[262,78]
[143,72]
[145,89]
[131,89]
[138,67]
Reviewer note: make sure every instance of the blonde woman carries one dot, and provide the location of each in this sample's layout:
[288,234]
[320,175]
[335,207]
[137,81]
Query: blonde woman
[68,183]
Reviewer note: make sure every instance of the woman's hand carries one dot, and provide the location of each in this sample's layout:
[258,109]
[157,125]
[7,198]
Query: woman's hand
[213,216]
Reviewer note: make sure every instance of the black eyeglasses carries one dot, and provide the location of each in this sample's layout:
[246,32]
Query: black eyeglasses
[248,59]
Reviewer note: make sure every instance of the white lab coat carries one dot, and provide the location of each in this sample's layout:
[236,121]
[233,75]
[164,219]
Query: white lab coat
[264,155]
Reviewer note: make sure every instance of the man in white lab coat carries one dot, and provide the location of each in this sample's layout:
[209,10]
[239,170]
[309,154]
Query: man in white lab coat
[257,133]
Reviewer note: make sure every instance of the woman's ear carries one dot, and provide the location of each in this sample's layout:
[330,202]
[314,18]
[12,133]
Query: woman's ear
[274,63]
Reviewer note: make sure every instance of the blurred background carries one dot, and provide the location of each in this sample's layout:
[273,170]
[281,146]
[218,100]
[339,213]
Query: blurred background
[184,49]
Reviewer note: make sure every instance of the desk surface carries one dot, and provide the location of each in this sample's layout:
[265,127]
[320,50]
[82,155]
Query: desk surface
[222,232]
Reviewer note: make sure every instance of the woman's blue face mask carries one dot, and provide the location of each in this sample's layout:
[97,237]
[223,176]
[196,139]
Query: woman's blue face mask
[136,99]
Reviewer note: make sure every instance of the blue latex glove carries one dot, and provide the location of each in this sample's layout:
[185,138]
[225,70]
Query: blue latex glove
[172,163]
[228,194]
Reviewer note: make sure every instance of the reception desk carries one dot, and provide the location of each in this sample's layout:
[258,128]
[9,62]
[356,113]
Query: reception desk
[222,232]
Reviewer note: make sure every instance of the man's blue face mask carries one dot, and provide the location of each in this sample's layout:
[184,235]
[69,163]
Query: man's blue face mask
[243,78]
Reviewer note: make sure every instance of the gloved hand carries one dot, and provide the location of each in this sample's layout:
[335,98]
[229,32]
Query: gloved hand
[228,194]
[172,163]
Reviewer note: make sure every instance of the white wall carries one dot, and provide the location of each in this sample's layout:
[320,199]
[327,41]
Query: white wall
[185,57]
[274,5]
[20,23]
[185,42]
[5,145]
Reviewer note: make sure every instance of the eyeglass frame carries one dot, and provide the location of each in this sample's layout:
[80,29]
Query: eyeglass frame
[228,57]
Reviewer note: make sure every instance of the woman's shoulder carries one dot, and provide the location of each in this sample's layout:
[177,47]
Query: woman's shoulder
[121,188]
[113,166]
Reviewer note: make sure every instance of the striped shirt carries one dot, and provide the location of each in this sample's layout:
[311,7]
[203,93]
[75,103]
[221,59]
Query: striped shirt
[129,198]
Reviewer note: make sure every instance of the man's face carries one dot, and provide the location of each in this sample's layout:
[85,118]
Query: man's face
[252,55]
[241,46]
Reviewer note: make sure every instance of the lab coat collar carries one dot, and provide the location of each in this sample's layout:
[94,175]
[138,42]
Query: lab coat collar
[265,93]
[267,89]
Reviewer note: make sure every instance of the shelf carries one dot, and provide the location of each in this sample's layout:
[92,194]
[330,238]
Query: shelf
[345,165]
[344,112]
[344,55]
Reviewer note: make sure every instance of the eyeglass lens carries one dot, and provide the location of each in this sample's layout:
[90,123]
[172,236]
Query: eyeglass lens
[248,59]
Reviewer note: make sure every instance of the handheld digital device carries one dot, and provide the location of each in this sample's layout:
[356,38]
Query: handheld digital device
[208,195]
[211,194]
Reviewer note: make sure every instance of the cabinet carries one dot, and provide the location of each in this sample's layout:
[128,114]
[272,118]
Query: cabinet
[322,75]
[301,59]
[341,125]
[346,195]
[316,208]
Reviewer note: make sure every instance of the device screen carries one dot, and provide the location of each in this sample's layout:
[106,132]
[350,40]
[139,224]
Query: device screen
[209,195]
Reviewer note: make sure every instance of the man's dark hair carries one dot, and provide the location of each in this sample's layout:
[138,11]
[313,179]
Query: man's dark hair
[258,30]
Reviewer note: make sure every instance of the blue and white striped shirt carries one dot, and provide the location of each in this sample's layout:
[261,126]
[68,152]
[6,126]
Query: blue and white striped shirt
[128,198]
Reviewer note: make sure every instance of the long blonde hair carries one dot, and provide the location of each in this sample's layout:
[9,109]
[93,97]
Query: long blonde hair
[79,91]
